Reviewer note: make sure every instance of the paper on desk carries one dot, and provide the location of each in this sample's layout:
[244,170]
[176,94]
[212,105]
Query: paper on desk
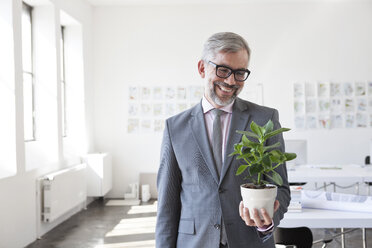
[331,166]
[336,201]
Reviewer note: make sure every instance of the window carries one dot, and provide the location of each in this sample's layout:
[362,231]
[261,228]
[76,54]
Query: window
[28,77]
[63,82]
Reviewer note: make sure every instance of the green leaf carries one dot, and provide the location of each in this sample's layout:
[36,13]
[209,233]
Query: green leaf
[266,161]
[233,153]
[241,169]
[248,133]
[275,156]
[276,178]
[277,144]
[257,129]
[269,126]
[246,156]
[290,156]
[255,169]
[265,182]
[247,143]
[275,132]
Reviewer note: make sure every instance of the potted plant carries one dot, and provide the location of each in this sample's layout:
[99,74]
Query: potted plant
[260,160]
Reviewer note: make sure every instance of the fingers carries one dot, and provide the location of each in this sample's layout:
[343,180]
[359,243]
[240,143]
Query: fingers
[244,214]
[266,218]
[241,206]
[276,205]
[255,219]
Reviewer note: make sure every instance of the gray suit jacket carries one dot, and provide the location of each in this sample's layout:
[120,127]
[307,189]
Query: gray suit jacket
[191,199]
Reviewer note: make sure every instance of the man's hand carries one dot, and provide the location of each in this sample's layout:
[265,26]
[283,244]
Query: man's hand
[255,220]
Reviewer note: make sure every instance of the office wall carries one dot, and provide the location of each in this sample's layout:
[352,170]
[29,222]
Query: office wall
[291,42]
[18,210]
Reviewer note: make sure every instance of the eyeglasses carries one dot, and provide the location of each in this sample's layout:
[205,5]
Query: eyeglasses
[222,71]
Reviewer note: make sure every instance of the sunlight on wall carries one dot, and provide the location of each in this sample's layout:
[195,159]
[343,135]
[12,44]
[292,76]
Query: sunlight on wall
[44,151]
[8,165]
[74,144]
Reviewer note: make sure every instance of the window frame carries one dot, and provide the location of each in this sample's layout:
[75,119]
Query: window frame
[27,8]
[63,82]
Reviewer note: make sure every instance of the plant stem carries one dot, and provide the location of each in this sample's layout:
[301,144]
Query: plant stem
[259,178]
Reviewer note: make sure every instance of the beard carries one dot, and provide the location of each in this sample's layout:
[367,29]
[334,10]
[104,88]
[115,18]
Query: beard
[214,97]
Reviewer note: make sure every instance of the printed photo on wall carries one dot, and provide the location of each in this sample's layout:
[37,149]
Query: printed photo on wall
[158,109]
[336,89]
[145,94]
[170,93]
[361,120]
[158,126]
[133,125]
[370,89]
[196,93]
[348,89]
[181,107]
[337,121]
[169,109]
[324,105]
[146,126]
[323,89]
[324,122]
[310,90]
[349,105]
[300,122]
[336,105]
[146,109]
[193,104]
[360,89]
[310,106]
[361,104]
[299,107]
[133,93]
[181,93]
[158,93]
[349,121]
[133,109]
[298,90]
[311,122]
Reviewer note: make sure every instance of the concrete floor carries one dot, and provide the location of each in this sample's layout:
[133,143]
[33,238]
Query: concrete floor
[134,226]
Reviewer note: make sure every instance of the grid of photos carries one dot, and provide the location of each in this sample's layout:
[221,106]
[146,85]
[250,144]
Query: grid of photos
[149,107]
[327,105]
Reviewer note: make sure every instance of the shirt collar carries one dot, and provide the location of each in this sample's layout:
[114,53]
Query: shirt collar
[207,106]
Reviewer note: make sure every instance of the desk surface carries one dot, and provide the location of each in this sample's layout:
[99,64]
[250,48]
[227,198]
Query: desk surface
[329,173]
[321,218]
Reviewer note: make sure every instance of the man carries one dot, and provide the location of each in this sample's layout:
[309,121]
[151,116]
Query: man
[199,202]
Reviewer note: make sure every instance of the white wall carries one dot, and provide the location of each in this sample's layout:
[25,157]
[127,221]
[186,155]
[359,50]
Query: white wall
[18,208]
[291,42]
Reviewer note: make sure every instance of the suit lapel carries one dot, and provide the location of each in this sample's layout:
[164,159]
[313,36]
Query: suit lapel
[199,132]
[239,121]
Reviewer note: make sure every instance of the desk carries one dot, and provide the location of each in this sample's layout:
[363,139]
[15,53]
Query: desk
[327,173]
[322,218]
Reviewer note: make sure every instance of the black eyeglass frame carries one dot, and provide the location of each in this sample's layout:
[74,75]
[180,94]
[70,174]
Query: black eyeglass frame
[231,71]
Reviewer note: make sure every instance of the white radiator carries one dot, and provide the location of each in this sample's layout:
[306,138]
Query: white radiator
[62,191]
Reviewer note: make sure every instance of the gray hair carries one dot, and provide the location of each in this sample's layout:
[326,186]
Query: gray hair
[224,42]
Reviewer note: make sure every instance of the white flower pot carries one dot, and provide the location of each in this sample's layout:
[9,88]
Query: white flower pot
[259,198]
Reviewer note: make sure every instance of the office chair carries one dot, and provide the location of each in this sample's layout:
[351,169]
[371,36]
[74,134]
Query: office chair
[296,237]
[302,237]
